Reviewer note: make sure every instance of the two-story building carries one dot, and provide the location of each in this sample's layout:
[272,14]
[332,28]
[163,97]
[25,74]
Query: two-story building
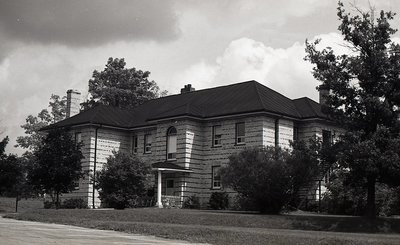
[187,137]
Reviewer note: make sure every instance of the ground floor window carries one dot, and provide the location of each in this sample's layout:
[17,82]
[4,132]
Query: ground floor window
[216,177]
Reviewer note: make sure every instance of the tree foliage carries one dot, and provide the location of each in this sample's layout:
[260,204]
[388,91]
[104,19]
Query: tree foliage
[56,165]
[267,179]
[364,97]
[33,138]
[121,87]
[11,172]
[122,180]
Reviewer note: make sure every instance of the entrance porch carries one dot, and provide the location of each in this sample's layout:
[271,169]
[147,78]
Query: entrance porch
[171,184]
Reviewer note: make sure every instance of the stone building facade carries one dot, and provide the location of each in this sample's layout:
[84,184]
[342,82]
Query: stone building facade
[188,137]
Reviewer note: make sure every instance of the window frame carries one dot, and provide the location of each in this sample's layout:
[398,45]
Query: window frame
[327,142]
[146,143]
[135,144]
[171,156]
[214,173]
[216,137]
[240,139]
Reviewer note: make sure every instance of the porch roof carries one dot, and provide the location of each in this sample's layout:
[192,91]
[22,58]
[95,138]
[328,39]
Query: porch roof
[169,166]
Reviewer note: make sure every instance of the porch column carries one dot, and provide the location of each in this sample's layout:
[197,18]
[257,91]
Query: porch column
[159,203]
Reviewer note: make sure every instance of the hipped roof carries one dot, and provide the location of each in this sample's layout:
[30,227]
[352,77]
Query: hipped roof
[239,98]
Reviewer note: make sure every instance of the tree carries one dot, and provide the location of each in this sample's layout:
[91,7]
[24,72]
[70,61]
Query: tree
[123,179]
[364,97]
[12,175]
[33,138]
[56,165]
[11,171]
[121,87]
[261,176]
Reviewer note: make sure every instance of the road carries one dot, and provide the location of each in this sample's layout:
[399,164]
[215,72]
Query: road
[16,232]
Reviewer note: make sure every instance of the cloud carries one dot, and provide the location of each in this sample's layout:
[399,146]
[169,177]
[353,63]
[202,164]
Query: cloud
[283,70]
[86,22]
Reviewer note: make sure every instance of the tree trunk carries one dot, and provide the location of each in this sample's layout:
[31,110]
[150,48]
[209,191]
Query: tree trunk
[371,209]
[57,200]
[16,203]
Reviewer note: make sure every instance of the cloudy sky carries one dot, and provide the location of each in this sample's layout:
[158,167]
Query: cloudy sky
[50,46]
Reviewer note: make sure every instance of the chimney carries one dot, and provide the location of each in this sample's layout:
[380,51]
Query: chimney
[187,88]
[323,93]
[73,102]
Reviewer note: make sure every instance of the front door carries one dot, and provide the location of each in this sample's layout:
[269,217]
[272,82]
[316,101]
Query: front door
[170,187]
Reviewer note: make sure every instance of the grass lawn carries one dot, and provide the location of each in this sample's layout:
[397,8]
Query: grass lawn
[228,227]
[7,205]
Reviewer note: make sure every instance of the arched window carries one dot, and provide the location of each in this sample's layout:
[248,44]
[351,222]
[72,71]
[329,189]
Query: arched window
[171,143]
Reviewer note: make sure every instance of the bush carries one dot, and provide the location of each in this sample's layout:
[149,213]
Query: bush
[219,200]
[123,180]
[74,203]
[191,202]
[261,176]
[49,205]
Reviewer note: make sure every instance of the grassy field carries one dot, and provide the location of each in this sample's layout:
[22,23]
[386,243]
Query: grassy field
[228,227]
[7,205]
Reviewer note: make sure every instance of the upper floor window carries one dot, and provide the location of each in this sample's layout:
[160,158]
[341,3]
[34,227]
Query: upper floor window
[148,140]
[295,133]
[216,177]
[171,143]
[134,144]
[78,138]
[326,138]
[216,135]
[276,132]
[240,133]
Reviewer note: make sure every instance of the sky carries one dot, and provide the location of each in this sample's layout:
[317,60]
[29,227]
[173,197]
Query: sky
[50,46]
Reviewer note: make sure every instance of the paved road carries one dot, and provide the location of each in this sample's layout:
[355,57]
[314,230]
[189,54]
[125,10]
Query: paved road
[16,232]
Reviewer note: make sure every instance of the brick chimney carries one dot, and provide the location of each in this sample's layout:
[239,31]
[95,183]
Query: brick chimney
[73,102]
[187,88]
[323,93]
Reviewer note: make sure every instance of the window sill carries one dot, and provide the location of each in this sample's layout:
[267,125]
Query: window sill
[216,188]
[216,146]
[171,160]
[149,152]
[239,144]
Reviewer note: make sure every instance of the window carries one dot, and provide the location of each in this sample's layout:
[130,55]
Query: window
[170,183]
[148,139]
[326,138]
[295,133]
[171,143]
[78,137]
[240,133]
[216,177]
[134,144]
[76,185]
[277,133]
[216,135]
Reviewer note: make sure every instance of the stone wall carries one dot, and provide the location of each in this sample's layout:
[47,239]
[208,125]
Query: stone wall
[195,149]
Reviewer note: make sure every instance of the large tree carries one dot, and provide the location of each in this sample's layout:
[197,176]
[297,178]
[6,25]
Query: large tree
[364,97]
[121,87]
[12,175]
[33,138]
[56,165]
[123,179]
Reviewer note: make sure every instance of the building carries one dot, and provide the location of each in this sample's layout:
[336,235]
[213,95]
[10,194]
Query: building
[187,137]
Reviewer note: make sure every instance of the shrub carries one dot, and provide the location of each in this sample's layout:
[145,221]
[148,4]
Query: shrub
[219,200]
[49,205]
[123,179]
[74,203]
[191,202]
[261,176]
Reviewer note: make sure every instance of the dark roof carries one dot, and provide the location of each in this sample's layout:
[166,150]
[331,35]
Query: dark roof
[307,108]
[245,97]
